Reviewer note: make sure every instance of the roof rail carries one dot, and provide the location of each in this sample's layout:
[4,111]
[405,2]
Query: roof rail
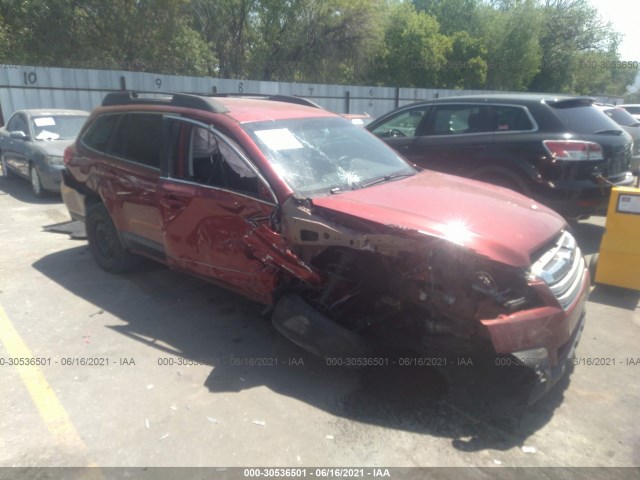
[186,100]
[266,96]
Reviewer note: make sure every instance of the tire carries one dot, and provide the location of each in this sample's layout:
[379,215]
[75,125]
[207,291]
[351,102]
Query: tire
[104,241]
[36,184]
[6,173]
[593,265]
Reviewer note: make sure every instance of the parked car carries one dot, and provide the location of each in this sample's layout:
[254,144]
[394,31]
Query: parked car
[633,109]
[630,125]
[352,248]
[360,119]
[563,152]
[32,144]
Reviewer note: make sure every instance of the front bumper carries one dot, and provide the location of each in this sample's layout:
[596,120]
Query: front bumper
[546,375]
[543,339]
[50,176]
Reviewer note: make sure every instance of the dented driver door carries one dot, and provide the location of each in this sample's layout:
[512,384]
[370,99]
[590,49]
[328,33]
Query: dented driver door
[211,199]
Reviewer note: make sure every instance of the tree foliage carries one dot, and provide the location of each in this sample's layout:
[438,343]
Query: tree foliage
[537,45]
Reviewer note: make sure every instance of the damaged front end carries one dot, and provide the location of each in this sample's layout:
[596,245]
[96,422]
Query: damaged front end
[356,285]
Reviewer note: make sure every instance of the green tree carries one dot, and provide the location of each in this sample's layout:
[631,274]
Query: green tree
[510,31]
[414,52]
[453,15]
[466,65]
[570,28]
[226,25]
[313,40]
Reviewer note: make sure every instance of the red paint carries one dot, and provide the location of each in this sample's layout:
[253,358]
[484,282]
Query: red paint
[502,224]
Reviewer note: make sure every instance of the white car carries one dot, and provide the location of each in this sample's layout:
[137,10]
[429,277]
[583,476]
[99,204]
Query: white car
[633,109]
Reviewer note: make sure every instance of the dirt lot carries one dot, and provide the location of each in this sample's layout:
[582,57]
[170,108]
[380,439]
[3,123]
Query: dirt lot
[159,369]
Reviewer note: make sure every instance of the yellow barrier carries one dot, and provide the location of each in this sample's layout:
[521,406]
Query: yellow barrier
[619,259]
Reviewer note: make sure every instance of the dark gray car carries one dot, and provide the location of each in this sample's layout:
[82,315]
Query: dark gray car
[33,142]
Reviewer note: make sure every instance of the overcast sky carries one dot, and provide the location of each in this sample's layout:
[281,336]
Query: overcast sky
[623,14]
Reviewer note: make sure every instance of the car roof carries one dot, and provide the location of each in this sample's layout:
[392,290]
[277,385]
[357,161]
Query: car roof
[245,110]
[34,112]
[512,97]
[238,107]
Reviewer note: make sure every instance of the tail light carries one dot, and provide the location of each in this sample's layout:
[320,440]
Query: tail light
[573,150]
[68,155]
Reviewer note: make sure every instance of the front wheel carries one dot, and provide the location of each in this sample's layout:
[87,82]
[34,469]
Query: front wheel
[36,183]
[6,173]
[104,241]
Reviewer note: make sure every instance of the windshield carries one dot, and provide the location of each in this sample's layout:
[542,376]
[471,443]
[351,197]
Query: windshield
[57,127]
[321,155]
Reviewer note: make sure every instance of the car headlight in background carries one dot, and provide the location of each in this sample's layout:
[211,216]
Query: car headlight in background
[54,160]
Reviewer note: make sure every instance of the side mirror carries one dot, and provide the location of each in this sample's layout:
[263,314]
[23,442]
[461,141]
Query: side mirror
[19,135]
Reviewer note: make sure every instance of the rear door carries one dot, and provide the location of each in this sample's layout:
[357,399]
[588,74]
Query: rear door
[127,173]
[210,197]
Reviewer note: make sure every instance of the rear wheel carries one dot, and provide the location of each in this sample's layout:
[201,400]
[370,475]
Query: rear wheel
[36,183]
[104,241]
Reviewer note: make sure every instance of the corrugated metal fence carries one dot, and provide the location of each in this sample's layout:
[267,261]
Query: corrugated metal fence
[44,87]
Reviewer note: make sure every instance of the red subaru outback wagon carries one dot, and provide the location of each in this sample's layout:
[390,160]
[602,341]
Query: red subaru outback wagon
[349,244]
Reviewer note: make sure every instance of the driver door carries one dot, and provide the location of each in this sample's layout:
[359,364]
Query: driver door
[210,198]
[15,153]
[400,131]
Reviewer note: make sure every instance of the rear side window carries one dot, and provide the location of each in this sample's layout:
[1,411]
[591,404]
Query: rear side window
[98,135]
[458,119]
[139,138]
[585,119]
[508,119]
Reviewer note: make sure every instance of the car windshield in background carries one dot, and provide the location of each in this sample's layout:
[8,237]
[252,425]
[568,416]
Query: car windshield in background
[57,127]
[586,119]
[621,117]
[321,155]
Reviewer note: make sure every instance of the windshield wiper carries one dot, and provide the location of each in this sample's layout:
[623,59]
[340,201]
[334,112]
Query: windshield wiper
[387,178]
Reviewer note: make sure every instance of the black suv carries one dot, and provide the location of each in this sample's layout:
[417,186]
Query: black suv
[562,151]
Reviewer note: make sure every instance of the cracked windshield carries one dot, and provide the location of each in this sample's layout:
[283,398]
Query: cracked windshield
[320,155]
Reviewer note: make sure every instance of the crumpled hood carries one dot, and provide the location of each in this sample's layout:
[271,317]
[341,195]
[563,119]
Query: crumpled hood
[492,221]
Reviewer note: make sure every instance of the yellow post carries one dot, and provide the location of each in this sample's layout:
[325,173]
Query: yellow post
[619,258]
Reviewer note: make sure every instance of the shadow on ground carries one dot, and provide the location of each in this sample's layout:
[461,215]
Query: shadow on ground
[588,236]
[474,406]
[20,189]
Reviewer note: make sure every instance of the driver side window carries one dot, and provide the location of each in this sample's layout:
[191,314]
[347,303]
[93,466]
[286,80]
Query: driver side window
[201,156]
[18,123]
[405,124]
